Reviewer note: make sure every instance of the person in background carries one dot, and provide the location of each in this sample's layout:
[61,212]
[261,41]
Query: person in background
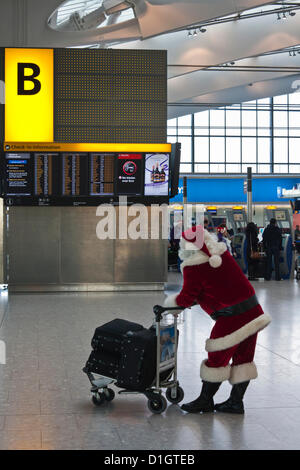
[223,236]
[252,245]
[272,242]
[297,233]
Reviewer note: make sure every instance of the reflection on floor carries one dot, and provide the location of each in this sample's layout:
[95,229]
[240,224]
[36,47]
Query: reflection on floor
[45,398]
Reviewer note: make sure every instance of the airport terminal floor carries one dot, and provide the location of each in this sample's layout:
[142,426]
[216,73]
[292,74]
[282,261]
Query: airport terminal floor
[45,400]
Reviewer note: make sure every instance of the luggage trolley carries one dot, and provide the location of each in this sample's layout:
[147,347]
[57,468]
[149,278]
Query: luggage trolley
[165,374]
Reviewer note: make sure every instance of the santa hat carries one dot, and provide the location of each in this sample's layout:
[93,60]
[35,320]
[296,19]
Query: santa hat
[201,239]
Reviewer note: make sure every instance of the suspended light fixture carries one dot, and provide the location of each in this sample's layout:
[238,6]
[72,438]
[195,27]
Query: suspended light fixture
[203,30]
[278,16]
[195,32]
[292,13]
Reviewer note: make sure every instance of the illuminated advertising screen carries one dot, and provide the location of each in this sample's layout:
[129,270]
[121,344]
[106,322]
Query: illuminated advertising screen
[129,173]
[156,174]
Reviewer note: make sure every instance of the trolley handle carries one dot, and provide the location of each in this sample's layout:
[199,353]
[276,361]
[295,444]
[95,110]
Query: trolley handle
[158,310]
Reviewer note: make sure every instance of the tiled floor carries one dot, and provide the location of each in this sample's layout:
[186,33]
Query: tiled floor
[45,398]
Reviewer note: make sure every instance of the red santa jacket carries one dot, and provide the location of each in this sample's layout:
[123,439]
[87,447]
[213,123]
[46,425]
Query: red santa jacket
[213,279]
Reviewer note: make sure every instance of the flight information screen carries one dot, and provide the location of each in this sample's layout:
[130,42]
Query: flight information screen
[101,174]
[88,178]
[46,172]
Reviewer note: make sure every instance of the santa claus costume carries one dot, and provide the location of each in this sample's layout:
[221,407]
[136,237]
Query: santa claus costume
[213,279]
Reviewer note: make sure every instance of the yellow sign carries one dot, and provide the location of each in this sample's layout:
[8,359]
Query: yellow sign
[29,95]
[83,147]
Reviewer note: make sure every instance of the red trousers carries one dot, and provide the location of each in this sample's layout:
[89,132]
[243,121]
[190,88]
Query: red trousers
[241,353]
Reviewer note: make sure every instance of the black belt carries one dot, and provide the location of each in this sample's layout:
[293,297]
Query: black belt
[236,309]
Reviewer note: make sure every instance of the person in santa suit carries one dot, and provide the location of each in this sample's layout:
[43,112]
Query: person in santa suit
[213,279]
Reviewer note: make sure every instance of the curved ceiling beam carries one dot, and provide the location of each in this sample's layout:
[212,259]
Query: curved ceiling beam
[153,17]
[159,16]
[224,42]
[236,95]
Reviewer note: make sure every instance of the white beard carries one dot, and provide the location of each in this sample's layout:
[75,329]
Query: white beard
[186,250]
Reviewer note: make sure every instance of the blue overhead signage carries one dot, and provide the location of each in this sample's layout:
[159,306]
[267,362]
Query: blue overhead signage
[230,190]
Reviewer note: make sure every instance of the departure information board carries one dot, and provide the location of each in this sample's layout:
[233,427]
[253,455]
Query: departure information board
[101,174]
[45,170]
[85,178]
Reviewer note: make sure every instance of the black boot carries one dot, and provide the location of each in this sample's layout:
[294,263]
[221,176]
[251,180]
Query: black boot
[234,404]
[204,402]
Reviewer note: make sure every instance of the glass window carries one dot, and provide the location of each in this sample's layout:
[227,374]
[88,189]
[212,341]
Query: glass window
[280,119]
[245,167]
[185,168]
[294,98]
[217,168]
[201,149]
[294,169]
[264,168]
[263,150]
[217,118]
[217,149]
[201,119]
[172,126]
[280,150]
[249,118]
[201,130]
[263,118]
[280,168]
[280,100]
[184,125]
[293,132]
[294,118]
[294,150]
[263,101]
[233,168]
[172,130]
[185,120]
[233,149]
[186,149]
[171,139]
[233,118]
[248,150]
[202,168]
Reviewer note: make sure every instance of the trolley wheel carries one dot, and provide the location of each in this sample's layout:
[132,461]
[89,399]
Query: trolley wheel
[179,395]
[157,405]
[98,398]
[109,394]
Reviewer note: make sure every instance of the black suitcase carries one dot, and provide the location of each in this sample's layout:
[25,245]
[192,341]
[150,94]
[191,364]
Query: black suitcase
[260,267]
[138,361]
[110,336]
[103,363]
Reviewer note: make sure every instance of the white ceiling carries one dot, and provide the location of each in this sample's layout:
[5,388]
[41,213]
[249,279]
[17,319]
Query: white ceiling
[161,24]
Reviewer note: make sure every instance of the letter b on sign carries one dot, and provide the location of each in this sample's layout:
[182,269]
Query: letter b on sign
[31,77]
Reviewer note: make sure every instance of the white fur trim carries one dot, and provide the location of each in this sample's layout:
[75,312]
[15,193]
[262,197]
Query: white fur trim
[215,261]
[242,373]
[170,301]
[214,247]
[219,344]
[214,374]
[199,257]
